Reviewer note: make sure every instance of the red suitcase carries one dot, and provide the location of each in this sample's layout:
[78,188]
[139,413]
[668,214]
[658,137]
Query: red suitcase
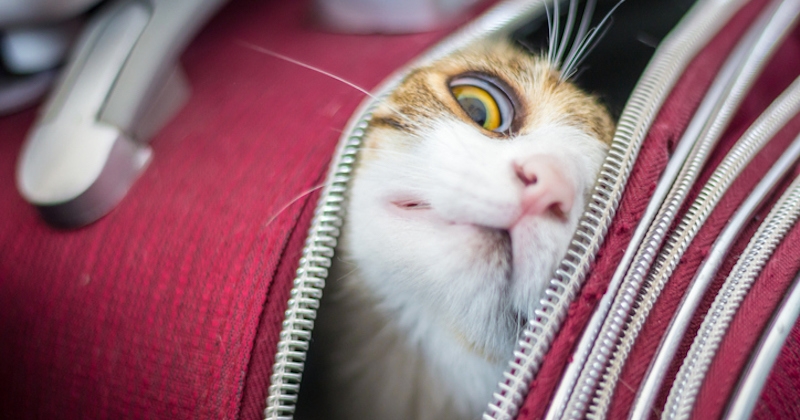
[174,304]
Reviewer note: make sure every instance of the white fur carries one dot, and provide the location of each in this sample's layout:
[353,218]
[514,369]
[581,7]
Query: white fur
[443,304]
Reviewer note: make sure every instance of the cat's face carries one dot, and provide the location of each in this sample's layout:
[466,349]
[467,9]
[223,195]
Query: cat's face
[470,184]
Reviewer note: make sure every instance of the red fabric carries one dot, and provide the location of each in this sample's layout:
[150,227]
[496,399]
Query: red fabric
[746,329]
[170,306]
[778,76]
[778,399]
[665,131]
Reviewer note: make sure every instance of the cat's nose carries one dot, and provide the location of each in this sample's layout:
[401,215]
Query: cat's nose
[546,187]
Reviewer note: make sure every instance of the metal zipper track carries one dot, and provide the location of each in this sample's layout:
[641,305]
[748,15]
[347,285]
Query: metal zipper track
[693,131]
[318,251]
[774,119]
[654,86]
[306,292]
[766,354]
[595,383]
[691,375]
[648,391]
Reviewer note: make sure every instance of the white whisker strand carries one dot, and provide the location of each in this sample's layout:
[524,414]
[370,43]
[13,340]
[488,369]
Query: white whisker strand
[348,274]
[565,37]
[528,45]
[292,201]
[578,71]
[323,72]
[594,37]
[586,20]
[557,31]
[302,64]
[587,44]
[550,38]
[574,66]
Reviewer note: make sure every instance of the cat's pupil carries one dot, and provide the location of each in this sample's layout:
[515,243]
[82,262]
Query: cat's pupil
[475,108]
[483,103]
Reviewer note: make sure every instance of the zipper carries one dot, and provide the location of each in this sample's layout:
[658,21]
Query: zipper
[679,240]
[654,86]
[643,404]
[735,162]
[295,335]
[768,236]
[318,252]
[693,131]
[599,373]
[766,354]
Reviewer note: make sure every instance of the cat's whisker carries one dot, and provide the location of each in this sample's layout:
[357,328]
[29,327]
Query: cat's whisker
[583,41]
[585,44]
[431,212]
[302,64]
[552,26]
[292,201]
[347,274]
[571,13]
[323,72]
[584,51]
[586,20]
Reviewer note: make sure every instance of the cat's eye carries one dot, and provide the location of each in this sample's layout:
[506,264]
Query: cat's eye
[484,102]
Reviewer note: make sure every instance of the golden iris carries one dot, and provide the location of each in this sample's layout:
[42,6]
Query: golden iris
[479,105]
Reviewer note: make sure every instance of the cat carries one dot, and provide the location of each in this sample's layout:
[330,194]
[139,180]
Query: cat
[470,181]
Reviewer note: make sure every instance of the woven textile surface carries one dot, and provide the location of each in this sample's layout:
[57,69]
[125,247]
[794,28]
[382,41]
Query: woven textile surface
[170,306]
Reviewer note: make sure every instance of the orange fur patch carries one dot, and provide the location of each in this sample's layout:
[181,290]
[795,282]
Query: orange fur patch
[534,87]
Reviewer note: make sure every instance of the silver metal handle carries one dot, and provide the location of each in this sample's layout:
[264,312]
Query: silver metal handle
[87,148]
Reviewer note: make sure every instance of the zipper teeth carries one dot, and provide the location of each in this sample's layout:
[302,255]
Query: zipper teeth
[304,298]
[697,362]
[684,146]
[651,383]
[595,377]
[640,110]
[601,349]
[763,130]
[749,388]
[322,236]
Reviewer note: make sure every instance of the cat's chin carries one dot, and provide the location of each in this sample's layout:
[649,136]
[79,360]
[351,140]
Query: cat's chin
[524,256]
[526,252]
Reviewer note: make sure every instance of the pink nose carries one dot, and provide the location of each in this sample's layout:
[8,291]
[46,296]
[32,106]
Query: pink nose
[546,188]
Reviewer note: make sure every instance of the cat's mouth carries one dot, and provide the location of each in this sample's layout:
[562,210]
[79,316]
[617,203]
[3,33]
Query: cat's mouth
[410,204]
[496,246]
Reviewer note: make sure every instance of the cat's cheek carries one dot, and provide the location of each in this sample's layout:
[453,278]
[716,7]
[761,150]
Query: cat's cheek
[538,246]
